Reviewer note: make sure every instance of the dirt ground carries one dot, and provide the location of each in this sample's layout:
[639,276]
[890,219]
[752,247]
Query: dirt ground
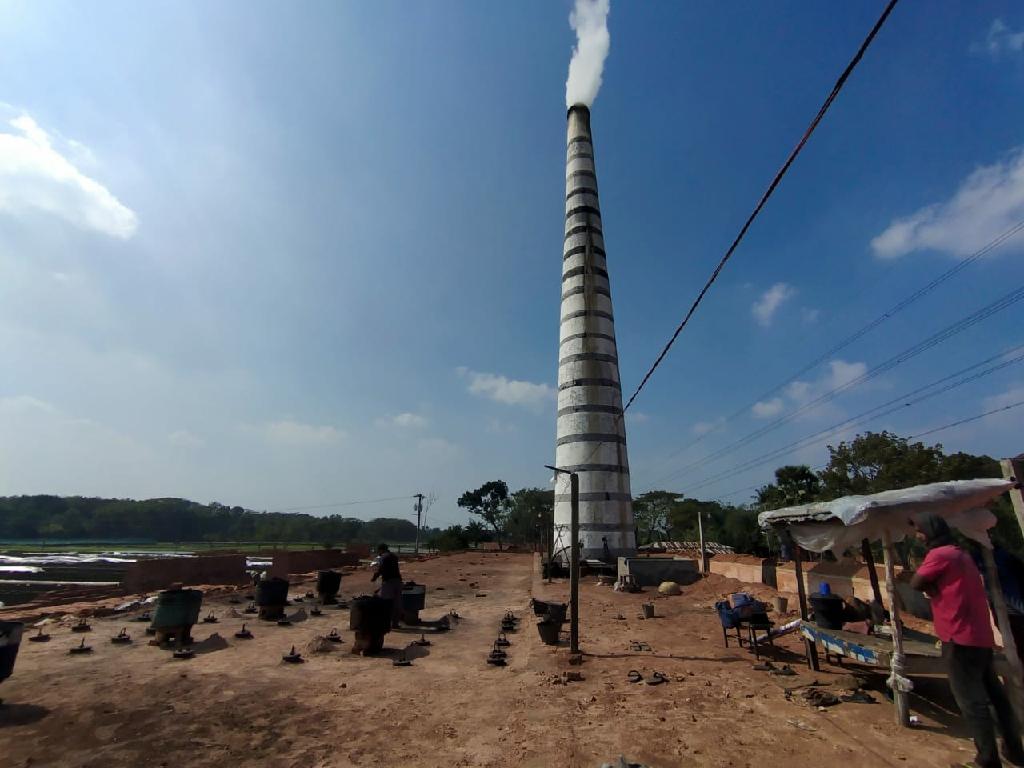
[237,704]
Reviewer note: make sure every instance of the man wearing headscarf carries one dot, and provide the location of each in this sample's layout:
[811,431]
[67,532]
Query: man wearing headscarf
[950,578]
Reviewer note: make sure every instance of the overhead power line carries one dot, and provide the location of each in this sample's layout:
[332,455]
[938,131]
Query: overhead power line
[952,424]
[859,333]
[767,194]
[1009,407]
[908,400]
[342,504]
[923,346]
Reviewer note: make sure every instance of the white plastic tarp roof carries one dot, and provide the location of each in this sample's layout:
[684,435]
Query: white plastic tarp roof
[843,523]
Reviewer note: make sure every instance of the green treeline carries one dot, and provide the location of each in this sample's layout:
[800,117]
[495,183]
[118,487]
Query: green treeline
[170,520]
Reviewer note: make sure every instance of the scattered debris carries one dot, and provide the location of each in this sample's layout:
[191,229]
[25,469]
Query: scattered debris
[292,657]
[502,641]
[244,634]
[78,649]
[333,636]
[251,608]
[819,698]
[639,645]
[39,637]
[81,626]
[423,641]
[211,619]
[401,660]
[634,676]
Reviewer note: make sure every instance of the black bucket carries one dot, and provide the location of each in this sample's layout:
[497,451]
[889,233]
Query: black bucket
[414,596]
[549,631]
[10,641]
[272,592]
[556,612]
[828,611]
[370,614]
[328,584]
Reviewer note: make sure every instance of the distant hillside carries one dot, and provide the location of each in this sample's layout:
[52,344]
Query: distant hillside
[79,517]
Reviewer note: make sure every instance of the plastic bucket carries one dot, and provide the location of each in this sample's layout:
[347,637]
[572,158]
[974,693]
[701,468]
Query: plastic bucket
[328,584]
[177,608]
[781,603]
[10,641]
[549,631]
[272,592]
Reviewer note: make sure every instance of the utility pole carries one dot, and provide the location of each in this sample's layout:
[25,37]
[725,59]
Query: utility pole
[419,515]
[700,534]
[1013,469]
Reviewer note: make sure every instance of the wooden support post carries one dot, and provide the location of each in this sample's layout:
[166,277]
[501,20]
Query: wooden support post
[1013,469]
[995,590]
[899,696]
[869,558]
[810,645]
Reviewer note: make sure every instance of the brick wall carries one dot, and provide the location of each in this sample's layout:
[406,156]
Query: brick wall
[146,575]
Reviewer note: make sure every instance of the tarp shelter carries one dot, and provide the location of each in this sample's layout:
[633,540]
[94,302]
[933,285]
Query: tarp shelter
[843,523]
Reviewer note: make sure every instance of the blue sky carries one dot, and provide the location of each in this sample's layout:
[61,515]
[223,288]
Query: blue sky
[290,255]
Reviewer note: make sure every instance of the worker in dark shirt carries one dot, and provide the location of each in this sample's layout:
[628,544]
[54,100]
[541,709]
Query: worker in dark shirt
[390,581]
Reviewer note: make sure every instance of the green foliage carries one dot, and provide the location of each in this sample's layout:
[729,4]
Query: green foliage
[793,485]
[476,532]
[78,517]
[652,513]
[530,514]
[450,539]
[490,503]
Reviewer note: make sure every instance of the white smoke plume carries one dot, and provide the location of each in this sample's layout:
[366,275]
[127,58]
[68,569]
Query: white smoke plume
[590,21]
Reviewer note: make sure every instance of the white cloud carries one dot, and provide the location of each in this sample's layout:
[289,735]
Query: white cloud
[988,202]
[765,409]
[841,373]
[508,391]
[701,428]
[1001,40]
[25,404]
[810,315]
[437,448]
[182,438]
[403,420]
[35,176]
[288,432]
[1009,397]
[638,417]
[764,309]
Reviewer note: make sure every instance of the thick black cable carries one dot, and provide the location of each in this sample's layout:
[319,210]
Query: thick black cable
[767,194]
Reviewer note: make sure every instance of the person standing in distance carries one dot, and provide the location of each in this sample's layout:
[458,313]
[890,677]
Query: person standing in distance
[390,581]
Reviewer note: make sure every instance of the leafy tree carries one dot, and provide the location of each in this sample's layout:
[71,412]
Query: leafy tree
[652,513]
[879,461]
[476,532]
[490,503]
[793,485]
[450,539]
[530,515]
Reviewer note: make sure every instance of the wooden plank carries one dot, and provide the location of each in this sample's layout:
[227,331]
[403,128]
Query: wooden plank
[899,696]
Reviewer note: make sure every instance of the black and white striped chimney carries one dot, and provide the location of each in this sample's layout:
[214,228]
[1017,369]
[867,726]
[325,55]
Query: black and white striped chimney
[591,433]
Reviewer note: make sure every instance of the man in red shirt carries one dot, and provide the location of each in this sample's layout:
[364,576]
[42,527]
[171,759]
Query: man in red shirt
[960,611]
